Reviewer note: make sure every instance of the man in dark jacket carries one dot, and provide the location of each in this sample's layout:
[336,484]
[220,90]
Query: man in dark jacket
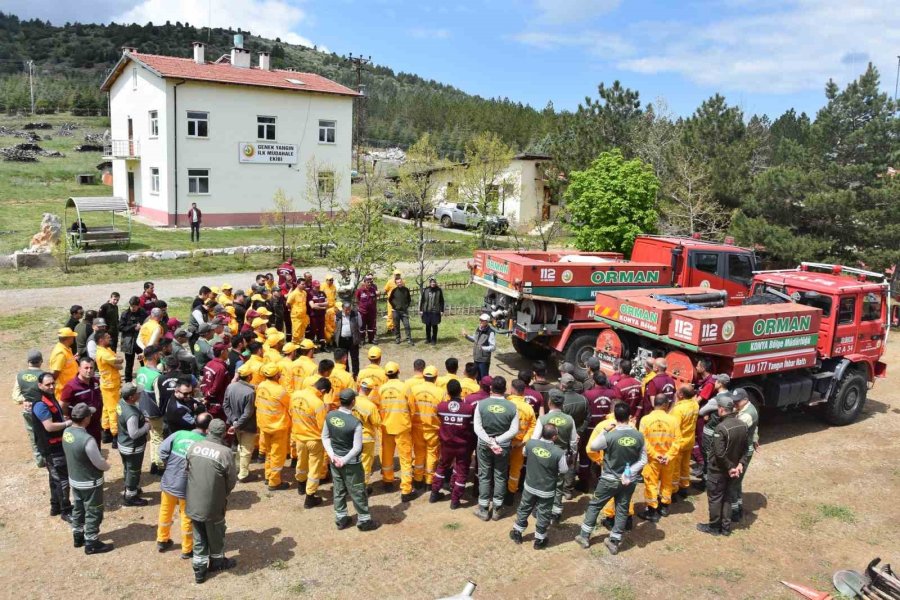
[576,406]
[348,327]
[211,477]
[129,325]
[727,460]
[132,439]
[485,342]
[83,331]
[400,300]
[49,423]
[109,312]
[431,307]
[181,407]
[240,416]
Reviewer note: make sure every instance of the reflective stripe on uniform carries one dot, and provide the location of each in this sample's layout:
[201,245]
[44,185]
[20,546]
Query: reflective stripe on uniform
[85,485]
[127,450]
[539,493]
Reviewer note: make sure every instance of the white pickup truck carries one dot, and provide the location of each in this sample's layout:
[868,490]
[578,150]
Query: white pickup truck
[467,215]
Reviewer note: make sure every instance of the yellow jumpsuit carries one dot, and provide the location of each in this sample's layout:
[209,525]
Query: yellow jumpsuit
[443,380]
[469,386]
[374,372]
[307,418]
[367,413]
[660,430]
[225,299]
[255,363]
[388,288]
[300,369]
[609,510]
[330,291]
[110,387]
[396,426]
[296,301]
[63,360]
[425,396]
[685,412]
[341,380]
[274,423]
[527,423]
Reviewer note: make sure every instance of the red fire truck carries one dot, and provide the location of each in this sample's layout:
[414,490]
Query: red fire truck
[812,335]
[546,299]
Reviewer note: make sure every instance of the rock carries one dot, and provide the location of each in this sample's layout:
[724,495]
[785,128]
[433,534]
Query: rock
[182,254]
[31,260]
[164,255]
[48,236]
[99,258]
[216,252]
[133,258]
[199,253]
[229,251]
[7,261]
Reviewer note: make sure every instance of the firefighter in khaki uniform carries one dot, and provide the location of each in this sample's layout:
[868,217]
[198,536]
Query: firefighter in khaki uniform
[296,301]
[274,423]
[367,412]
[609,511]
[546,462]
[330,290]
[566,440]
[396,426]
[426,396]
[527,422]
[307,418]
[373,370]
[685,410]
[110,385]
[62,360]
[659,429]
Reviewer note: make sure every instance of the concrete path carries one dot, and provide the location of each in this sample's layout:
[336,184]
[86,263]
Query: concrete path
[16,301]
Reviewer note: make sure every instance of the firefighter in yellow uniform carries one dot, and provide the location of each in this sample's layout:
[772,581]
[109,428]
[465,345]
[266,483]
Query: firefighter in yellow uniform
[108,364]
[426,396]
[233,327]
[340,377]
[274,342]
[388,288]
[373,370]
[286,366]
[660,430]
[527,421]
[609,511]
[62,361]
[254,363]
[330,290]
[259,326]
[367,412]
[308,412]
[396,426]
[417,376]
[451,364]
[225,298]
[296,301]
[685,410]
[274,423]
[469,383]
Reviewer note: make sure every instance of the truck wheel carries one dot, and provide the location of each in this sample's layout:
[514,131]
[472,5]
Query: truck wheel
[446,222]
[579,349]
[848,401]
[404,213]
[530,350]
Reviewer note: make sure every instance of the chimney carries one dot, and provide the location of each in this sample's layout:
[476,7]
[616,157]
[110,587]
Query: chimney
[199,53]
[265,62]
[240,56]
[128,49]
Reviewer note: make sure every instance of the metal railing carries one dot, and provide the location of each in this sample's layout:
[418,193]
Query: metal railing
[122,149]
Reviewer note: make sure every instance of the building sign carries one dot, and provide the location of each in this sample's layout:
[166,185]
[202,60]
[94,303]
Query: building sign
[267,153]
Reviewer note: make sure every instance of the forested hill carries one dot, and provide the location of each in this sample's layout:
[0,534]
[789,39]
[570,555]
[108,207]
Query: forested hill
[71,61]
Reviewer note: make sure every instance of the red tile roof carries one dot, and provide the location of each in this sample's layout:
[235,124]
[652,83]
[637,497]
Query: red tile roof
[186,68]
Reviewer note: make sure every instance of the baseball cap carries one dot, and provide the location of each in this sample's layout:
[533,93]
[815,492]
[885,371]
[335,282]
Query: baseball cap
[269,370]
[723,379]
[226,286]
[367,383]
[127,390]
[82,410]
[99,322]
[65,332]
[555,395]
[256,298]
[263,311]
[244,370]
[258,321]
[214,290]
[486,381]
[484,317]
[329,278]
[347,394]
[239,292]
[375,352]
[740,394]
[35,355]
[307,344]
[205,328]
[289,347]
[219,347]
[567,367]
[593,363]
[430,371]
[397,272]
[725,400]
[216,428]
[251,314]
[181,333]
[174,323]
[392,368]
[275,338]
[567,379]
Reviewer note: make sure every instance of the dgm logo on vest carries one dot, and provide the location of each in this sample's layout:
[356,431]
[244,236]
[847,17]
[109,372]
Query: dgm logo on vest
[604,277]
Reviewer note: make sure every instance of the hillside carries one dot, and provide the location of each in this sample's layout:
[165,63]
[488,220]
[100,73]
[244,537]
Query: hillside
[71,61]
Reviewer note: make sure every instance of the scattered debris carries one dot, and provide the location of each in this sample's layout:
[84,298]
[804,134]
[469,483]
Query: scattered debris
[67,129]
[807,592]
[28,126]
[88,148]
[15,155]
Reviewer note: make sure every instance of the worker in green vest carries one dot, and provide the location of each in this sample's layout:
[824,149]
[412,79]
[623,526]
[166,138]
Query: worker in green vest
[496,424]
[86,467]
[624,456]
[342,437]
[25,393]
[132,439]
[145,378]
[544,463]
[566,440]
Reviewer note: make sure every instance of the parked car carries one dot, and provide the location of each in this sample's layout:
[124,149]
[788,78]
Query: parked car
[463,214]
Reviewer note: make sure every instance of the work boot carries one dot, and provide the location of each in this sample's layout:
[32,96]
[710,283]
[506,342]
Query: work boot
[260,459]
[312,501]
[408,497]
[200,574]
[163,546]
[221,564]
[293,463]
[106,437]
[663,510]
[370,525]
[419,485]
[555,519]
[515,536]
[629,523]
[568,495]
[411,343]
[725,532]
[435,497]
[583,541]
[281,486]
[96,547]
[301,488]
[454,504]
[498,513]
[608,523]
[737,514]
[707,528]
[699,485]
[611,545]
[369,490]
[39,461]
[540,544]
[187,555]
[387,486]
[343,523]
[649,514]
[483,513]
[66,516]
[509,498]
[134,501]
[680,494]
[115,444]
[78,539]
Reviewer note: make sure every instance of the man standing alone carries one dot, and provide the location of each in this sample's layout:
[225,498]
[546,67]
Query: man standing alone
[211,477]
[195,216]
[485,343]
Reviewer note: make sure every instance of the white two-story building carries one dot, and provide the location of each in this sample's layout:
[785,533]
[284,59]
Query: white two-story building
[225,135]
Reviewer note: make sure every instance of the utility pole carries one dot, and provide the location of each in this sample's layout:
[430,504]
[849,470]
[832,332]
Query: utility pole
[30,64]
[359,63]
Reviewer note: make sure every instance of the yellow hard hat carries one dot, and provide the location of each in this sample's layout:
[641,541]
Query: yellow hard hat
[230,310]
[256,298]
[270,370]
[392,368]
[65,332]
[289,347]
[374,352]
[430,371]
[307,344]
[259,321]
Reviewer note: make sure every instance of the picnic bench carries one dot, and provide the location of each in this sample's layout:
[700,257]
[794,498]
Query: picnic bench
[86,236]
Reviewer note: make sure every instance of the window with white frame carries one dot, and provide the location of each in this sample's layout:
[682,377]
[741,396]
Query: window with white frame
[265,128]
[154,123]
[134,78]
[154,180]
[326,132]
[198,181]
[325,182]
[197,124]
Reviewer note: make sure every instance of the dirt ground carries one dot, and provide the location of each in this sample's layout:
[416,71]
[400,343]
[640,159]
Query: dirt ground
[819,499]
